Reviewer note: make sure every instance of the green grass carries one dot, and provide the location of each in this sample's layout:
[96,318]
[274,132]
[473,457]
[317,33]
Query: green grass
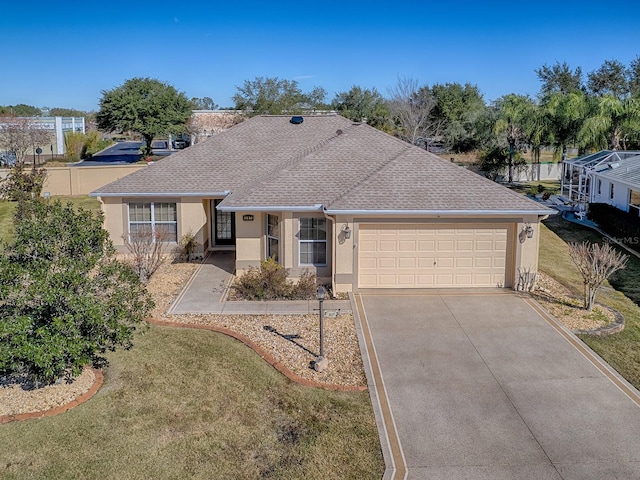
[195,404]
[621,351]
[7,210]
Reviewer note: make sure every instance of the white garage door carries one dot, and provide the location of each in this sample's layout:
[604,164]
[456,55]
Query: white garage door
[395,255]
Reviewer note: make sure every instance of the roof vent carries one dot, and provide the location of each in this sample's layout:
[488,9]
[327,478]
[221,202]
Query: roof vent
[296,120]
[339,132]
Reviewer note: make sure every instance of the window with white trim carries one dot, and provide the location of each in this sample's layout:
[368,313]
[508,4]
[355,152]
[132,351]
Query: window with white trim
[611,191]
[273,236]
[313,241]
[158,219]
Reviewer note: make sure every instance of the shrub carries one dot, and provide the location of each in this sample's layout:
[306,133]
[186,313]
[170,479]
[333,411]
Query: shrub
[270,282]
[541,188]
[306,287]
[65,299]
[188,243]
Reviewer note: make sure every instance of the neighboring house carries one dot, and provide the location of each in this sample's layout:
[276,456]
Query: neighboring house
[577,173]
[618,184]
[206,123]
[360,208]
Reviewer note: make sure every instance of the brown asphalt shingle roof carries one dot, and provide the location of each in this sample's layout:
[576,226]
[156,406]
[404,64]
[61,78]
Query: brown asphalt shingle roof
[268,162]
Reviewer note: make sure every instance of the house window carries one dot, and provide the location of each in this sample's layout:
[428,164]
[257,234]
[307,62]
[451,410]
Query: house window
[273,236]
[156,219]
[599,187]
[313,241]
[611,191]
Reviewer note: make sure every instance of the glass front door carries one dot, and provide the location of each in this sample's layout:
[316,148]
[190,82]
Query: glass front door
[224,226]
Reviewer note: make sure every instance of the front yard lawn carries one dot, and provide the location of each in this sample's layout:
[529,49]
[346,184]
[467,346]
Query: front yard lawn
[7,210]
[195,404]
[622,350]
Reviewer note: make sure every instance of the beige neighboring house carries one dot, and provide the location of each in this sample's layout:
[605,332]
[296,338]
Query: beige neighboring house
[360,208]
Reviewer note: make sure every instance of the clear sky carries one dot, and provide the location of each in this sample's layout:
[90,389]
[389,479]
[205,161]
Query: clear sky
[65,53]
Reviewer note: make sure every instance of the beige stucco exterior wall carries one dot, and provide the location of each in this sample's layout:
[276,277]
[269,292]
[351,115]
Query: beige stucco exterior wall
[84,180]
[115,219]
[250,246]
[192,218]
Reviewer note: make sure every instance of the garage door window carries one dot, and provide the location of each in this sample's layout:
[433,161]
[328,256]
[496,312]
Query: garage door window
[313,241]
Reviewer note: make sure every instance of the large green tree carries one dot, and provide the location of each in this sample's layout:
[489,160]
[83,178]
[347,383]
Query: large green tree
[612,78]
[559,78]
[146,106]
[564,117]
[64,299]
[360,104]
[274,96]
[21,110]
[459,112]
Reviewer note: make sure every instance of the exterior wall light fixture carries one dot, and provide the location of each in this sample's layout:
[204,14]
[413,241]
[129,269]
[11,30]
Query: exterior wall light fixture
[347,231]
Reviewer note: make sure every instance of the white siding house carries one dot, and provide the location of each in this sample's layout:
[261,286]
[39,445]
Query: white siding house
[618,184]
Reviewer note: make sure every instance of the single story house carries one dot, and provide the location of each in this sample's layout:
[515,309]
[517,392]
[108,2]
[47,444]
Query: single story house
[576,178]
[358,207]
[618,184]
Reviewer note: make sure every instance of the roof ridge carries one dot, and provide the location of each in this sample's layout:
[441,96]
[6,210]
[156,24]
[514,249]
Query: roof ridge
[295,159]
[375,171]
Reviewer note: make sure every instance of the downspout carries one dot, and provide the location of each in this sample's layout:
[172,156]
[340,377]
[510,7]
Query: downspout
[333,250]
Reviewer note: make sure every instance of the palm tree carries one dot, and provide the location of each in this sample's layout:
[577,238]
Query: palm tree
[613,120]
[515,112]
[565,114]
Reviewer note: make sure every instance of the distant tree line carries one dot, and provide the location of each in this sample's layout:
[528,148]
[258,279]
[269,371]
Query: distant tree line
[599,110]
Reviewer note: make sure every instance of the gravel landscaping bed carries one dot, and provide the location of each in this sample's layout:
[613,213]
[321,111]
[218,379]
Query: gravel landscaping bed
[291,339]
[567,309]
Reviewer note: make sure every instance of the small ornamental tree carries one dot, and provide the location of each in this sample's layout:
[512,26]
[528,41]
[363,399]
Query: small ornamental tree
[596,263]
[22,183]
[64,299]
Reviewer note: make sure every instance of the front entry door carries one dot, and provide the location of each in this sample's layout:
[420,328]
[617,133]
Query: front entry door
[224,226]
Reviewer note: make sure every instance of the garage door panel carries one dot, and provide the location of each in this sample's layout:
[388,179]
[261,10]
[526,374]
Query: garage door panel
[424,256]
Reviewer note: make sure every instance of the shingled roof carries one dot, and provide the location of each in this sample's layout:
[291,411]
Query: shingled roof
[327,162]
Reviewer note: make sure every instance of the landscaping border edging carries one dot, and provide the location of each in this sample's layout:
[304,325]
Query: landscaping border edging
[97,384]
[270,359]
[614,327]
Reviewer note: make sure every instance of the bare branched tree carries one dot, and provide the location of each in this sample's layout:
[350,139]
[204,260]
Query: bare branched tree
[411,107]
[147,247]
[21,135]
[205,124]
[596,263]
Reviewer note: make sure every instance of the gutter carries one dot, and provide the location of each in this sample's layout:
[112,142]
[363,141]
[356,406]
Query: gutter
[273,208]
[163,194]
[444,213]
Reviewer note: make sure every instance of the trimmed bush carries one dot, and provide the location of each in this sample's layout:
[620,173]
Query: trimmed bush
[271,282]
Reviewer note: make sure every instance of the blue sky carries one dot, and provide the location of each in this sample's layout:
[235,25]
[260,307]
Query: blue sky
[65,53]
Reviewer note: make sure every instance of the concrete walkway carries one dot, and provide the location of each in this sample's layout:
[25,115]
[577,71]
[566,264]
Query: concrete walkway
[208,288]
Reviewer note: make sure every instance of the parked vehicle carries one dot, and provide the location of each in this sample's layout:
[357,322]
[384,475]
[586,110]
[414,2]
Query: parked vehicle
[7,159]
[179,144]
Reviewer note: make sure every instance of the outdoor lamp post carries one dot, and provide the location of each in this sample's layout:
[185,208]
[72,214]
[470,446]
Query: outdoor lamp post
[321,363]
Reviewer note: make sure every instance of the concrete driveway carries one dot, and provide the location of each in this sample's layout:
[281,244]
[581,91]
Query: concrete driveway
[483,386]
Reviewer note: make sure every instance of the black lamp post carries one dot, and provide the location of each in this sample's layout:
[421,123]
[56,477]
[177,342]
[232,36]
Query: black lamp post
[321,363]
